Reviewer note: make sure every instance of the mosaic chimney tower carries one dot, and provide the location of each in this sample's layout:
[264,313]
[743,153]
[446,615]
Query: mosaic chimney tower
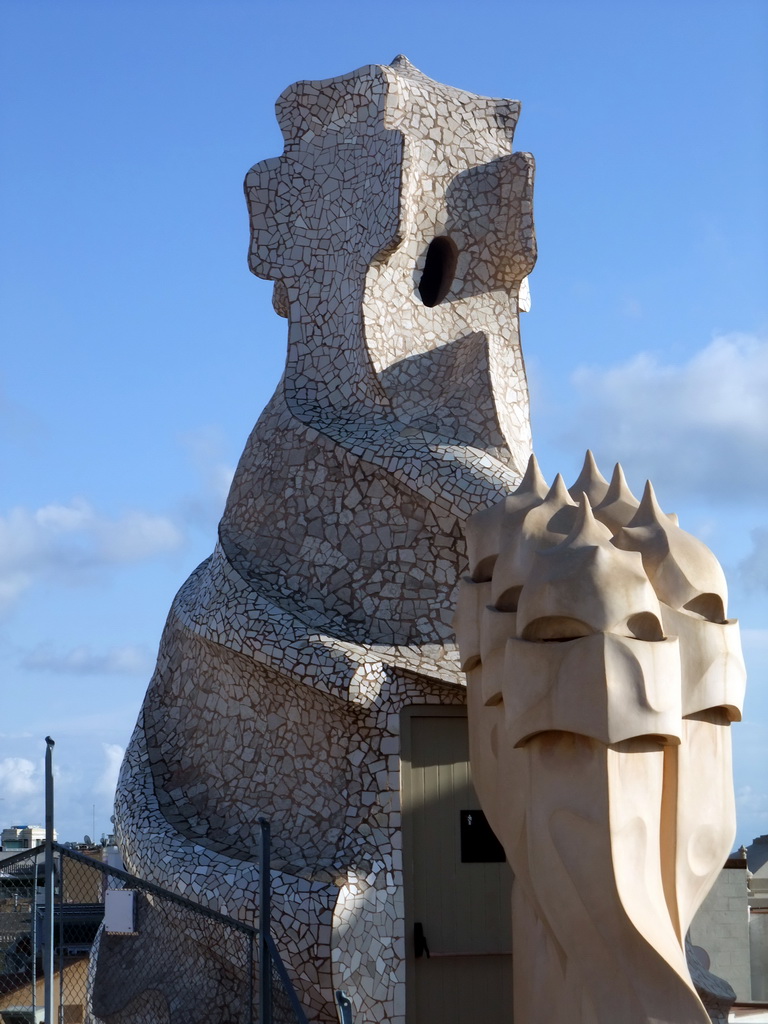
[397,227]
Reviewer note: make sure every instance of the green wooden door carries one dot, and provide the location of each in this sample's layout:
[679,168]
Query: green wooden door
[460,898]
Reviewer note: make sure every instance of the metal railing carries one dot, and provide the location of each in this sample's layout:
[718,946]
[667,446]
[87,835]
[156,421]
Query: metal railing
[96,972]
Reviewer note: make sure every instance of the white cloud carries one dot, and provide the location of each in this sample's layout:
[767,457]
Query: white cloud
[20,778]
[134,537]
[113,754]
[699,426]
[64,544]
[126,660]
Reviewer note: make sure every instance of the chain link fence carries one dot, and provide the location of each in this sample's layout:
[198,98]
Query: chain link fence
[127,951]
[21,906]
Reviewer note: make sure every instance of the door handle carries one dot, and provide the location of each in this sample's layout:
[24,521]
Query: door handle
[420,946]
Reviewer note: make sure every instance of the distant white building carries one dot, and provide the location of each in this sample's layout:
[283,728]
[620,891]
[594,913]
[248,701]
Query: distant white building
[757,860]
[23,837]
[731,927]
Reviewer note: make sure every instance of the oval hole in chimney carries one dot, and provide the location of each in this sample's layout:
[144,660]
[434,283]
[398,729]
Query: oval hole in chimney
[439,270]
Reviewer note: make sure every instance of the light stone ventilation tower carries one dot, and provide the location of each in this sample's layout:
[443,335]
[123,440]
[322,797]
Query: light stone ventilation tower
[308,671]
[603,677]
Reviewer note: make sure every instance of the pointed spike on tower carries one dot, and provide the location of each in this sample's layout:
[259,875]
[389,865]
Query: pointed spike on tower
[619,505]
[533,481]
[590,481]
[483,529]
[583,517]
[618,487]
[558,493]
[586,528]
[649,510]
[618,490]
[585,505]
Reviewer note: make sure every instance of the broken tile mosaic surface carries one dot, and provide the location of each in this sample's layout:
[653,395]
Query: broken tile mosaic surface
[397,227]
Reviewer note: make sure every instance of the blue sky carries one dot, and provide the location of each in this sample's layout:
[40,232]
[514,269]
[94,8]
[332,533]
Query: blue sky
[138,349]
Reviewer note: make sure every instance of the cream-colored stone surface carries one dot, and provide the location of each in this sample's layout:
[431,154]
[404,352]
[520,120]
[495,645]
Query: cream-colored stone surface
[602,680]
[326,606]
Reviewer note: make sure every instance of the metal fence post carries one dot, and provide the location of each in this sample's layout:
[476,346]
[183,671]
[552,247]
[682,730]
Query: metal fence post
[34,937]
[343,1007]
[61,940]
[265,968]
[48,927]
[250,979]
